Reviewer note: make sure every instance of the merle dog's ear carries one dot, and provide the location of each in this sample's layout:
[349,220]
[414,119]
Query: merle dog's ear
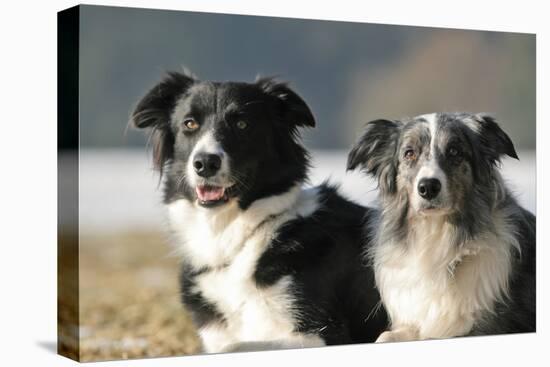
[374,153]
[291,106]
[494,140]
[154,110]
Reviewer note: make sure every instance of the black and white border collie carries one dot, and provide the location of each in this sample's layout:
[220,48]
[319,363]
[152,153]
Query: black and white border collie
[267,264]
[453,252]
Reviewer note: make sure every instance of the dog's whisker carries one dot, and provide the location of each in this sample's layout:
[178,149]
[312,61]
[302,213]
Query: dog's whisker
[238,180]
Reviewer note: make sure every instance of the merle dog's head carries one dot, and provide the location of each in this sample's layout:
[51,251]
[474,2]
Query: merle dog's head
[222,141]
[436,164]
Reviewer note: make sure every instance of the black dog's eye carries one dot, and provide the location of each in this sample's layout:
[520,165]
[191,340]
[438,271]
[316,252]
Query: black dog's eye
[410,154]
[191,124]
[242,125]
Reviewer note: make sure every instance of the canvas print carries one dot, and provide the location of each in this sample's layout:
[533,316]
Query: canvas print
[232,183]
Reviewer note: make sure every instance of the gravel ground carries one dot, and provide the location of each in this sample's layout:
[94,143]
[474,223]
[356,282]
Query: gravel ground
[129,299]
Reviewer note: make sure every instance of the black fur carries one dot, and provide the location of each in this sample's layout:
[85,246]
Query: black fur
[334,287]
[153,111]
[202,311]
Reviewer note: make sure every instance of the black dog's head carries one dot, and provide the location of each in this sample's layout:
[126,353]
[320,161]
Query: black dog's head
[219,141]
[436,164]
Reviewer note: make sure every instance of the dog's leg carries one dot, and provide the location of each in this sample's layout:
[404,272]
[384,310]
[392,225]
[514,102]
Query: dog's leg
[399,334]
[215,338]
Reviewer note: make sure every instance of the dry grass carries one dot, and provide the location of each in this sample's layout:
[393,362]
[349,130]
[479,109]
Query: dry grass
[129,299]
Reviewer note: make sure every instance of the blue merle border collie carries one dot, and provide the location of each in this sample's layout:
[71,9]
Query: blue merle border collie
[267,264]
[453,252]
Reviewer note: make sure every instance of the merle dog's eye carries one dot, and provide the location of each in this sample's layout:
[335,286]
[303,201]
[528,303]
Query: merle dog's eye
[410,154]
[191,124]
[453,152]
[242,125]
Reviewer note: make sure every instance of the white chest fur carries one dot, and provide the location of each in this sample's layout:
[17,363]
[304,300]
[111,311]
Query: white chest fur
[434,289]
[230,241]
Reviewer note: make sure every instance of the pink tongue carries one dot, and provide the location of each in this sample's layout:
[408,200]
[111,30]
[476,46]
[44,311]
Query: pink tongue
[209,193]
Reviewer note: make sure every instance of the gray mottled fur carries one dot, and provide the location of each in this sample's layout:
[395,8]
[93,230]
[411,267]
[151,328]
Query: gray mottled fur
[476,192]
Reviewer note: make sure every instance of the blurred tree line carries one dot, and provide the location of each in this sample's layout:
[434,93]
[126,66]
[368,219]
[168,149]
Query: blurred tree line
[349,73]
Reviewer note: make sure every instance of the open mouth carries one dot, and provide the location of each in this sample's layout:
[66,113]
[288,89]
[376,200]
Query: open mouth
[211,196]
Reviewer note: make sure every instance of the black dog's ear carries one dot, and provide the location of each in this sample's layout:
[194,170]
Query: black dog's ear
[374,153]
[292,107]
[154,110]
[155,107]
[495,141]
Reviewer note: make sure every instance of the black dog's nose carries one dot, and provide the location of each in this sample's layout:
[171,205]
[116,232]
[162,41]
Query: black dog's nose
[206,165]
[428,188]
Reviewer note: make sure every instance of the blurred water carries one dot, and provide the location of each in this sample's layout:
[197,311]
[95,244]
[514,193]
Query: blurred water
[120,192]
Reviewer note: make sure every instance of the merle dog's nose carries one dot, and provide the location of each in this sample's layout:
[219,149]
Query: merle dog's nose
[428,188]
[207,165]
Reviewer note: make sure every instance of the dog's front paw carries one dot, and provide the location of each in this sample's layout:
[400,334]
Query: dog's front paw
[387,337]
[401,334]
[231,348]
